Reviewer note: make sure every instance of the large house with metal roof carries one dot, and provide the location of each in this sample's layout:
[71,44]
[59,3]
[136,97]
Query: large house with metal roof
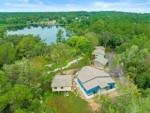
[62,83]
[93,80]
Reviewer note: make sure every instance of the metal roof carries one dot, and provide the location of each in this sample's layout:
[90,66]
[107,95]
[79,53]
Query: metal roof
[88,73]
[92,77]
[101,60]
[101,82]
[62,81]
[99,50]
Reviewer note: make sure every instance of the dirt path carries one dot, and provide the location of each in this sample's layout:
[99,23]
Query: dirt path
[67,66]
[113,94]
[93,105]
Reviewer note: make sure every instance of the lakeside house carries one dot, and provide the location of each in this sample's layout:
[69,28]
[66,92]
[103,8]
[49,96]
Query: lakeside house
[93,80]
[62,83]
[98,57]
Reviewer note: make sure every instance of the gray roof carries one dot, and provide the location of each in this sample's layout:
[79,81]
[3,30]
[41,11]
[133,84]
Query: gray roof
[101,60]
[92,77]
[62,81]
[88,73]
[102,82]
[99,50]
[99,53]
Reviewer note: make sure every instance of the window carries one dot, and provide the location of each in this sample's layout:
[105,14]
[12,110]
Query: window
[62,87]
[55,87]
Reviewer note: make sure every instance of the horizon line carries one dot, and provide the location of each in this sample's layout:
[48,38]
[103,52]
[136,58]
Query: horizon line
[136,12]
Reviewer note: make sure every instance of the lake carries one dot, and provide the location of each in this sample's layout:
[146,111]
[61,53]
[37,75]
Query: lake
[47,34]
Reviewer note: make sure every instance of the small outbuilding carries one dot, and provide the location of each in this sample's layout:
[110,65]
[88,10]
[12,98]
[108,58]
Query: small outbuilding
[98,57]
[99,50]
[100,62]
[62,83]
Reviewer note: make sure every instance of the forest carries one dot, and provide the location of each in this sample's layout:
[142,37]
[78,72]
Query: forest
[25,59]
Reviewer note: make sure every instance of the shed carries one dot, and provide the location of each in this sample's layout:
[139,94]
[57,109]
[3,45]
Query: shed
[99,50]
[100,61]
[98,57]
[62,83]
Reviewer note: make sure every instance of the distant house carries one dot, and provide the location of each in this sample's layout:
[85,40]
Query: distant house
[62,83]
[98,57]
[93,80]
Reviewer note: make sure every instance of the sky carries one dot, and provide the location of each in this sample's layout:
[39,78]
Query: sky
[142,6]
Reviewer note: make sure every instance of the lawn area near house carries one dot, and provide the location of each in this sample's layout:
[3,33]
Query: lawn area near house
[70,104]
[83,62]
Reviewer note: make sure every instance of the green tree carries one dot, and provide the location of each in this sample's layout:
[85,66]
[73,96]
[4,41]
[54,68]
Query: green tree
[126,102]
[4,84]
[59,53]
[59,36]
[98,26]
[92,38]
[29,46]
[7,54]
[80,43]
[17,97]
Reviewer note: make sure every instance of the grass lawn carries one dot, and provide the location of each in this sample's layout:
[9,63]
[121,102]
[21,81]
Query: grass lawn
[85,61]
[71,104]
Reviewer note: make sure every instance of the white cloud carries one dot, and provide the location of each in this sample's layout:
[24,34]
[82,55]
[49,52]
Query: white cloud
[38,1]
[38,5]
[122,6]
[102,5]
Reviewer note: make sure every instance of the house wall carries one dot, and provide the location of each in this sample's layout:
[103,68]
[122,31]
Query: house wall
[62,89]
[112,85]
[93,90]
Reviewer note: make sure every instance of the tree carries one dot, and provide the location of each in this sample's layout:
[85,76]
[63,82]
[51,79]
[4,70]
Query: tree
[60,53]
[7,54]
[4,84]
[92,38]
[80,43]
[126,102]
[17,97]
[136,66]
[98,26]
[29,46]
[23,72]
[105,38]
[59,36]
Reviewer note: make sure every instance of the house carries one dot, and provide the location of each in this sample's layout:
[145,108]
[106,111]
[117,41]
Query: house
[99,50]
[62,83]
[93,80]
[98,57]
[100,61]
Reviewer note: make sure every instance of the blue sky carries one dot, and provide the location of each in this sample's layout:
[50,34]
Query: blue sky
[74,5]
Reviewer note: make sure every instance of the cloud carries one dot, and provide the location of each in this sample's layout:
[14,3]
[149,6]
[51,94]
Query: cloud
[94,5]
[102,5]
[127,6]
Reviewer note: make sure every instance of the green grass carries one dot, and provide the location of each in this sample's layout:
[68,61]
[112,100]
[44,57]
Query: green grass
[70,104]
[85,61]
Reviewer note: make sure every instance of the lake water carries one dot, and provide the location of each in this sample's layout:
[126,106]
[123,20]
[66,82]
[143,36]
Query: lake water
[48,34]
